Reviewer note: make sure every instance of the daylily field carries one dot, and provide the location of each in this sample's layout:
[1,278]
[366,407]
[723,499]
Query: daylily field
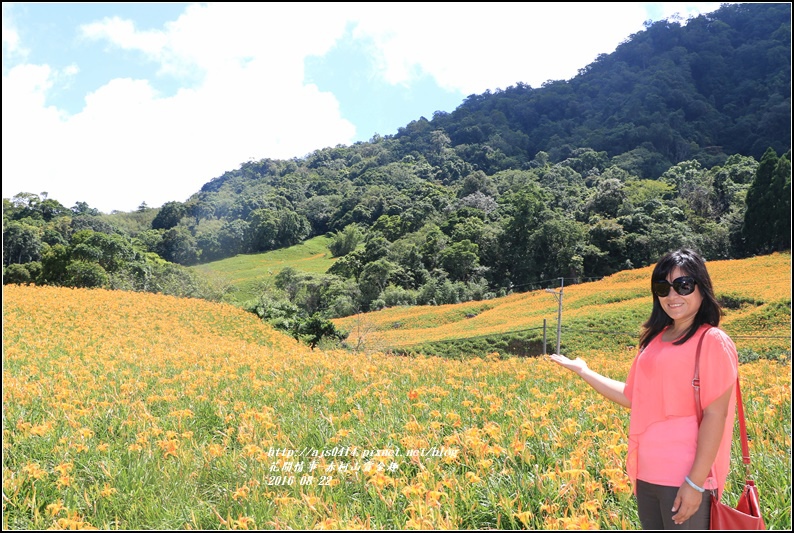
[138,411]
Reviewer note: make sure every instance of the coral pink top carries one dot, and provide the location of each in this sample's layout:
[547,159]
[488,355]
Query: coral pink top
[663,427]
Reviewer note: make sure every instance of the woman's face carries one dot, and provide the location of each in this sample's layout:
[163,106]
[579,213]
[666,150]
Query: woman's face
[681,309]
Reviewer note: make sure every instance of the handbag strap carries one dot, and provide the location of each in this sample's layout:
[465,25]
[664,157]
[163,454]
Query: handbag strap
[739,406]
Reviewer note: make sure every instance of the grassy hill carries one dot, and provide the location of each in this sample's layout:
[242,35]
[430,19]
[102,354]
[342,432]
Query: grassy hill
[755,292]
[245,272]
[139,411]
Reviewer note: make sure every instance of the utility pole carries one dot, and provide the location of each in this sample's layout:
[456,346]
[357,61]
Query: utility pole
[558,296]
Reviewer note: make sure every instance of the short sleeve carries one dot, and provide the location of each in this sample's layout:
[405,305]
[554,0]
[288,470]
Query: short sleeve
[719,365]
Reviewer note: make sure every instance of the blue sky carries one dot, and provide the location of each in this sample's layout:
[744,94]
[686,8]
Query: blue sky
[115,104]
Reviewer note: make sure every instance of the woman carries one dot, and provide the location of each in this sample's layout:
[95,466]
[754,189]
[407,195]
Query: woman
[672,461]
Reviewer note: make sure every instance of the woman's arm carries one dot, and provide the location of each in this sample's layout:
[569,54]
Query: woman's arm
[607,387]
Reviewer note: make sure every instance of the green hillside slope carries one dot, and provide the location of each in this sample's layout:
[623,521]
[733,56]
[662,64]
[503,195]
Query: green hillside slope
[245,272]
[605,314]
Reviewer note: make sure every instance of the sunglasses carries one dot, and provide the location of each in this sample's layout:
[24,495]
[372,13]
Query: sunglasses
[683,286]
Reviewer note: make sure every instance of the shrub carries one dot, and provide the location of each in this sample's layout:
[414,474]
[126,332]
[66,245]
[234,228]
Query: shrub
[393,296]
[345,241]
[86,274]
[16,273]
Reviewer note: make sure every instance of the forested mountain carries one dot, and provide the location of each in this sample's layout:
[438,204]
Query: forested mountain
[720,85]
[681,136]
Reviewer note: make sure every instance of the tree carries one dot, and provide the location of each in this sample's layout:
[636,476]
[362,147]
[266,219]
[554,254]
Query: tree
[781,210]
[83,222]
[434,242]
[82,208]
[86,253]
[464,227]
[293,228]
[375,276]
[693,184]
[640,192]
[21,243]
[25,205]
[149,240]
[54,262]
[345,241]
[112,252]
[558,244]
[179,246]
[375,247]
[730,183]
[319,211]
[609,247]
[314,329]
[16,273]
[289,280]
[207,243]
[764,206]
[392,227]
[477,182]
[277,311]
[460,259]
[349,266]
[169,215]
[50,209]
[232,237]
[262,230]
[200,210]
[86,274]
[609,196]
[526,213]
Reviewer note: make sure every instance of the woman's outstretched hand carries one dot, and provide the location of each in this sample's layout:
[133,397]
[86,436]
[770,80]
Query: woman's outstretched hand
[574,365]
[607,387]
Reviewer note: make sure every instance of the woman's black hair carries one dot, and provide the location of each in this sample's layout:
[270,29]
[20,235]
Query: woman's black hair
[692,265]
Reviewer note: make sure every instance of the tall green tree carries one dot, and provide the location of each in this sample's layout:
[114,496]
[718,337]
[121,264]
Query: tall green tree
[460,259]
[112,252]
[232,237]
[86,274]
[526,213]
[21,243]
[374,278]
[781,190]
[768,211]
[262,230]
[345,241]
[54,262]
[293,228]
[169,215]
[179,246]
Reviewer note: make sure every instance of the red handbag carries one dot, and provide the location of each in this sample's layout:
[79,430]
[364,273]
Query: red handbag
[747,513]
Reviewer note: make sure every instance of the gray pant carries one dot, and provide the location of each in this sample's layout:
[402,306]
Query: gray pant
[654,504]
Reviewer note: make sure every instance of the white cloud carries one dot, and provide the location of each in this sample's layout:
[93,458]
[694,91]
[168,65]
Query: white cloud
[476,46]
[244,95]
[122,33]
[32,131]
[11,41]
[130,144]
[687,9]
[211,36]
